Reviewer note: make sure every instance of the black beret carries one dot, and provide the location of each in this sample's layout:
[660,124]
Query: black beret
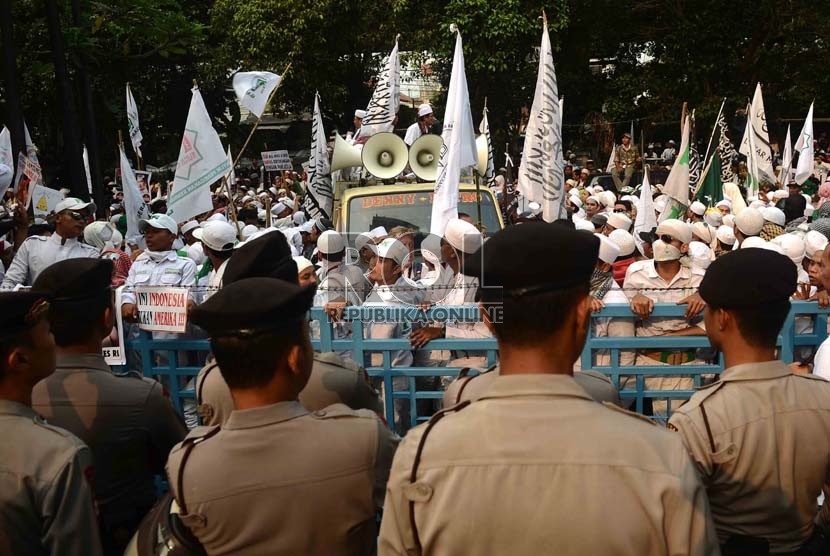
[532,258]
[19,311]
[75,281]
[253,305]
[266,256]
[748,278]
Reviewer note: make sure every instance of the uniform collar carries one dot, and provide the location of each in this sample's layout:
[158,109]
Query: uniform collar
[8,407]
[554,385]
[59,240]
[756,371]
[171,255]
[92,361]
[651,270]
[266,415]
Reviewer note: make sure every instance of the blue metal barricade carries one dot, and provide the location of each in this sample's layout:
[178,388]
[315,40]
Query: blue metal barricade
[631,379]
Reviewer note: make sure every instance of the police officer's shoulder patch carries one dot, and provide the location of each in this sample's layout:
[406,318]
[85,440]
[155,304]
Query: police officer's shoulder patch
[618,409]
[702,393]
[339,410]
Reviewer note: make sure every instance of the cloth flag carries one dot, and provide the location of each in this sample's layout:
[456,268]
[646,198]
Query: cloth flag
[134,206]
[804,146]
[385,101]
[727,151]
[202,161]
[319,199]
[6,153]
[231,174]
[484,128]
[132,123]
[610,166]
[710,189]
[694,156]
[677,184]
[45,200]
[753,179]
[254,88]
[542,170]
[786,161]
[28,170]
[757,141]
[646,219]
[459,148]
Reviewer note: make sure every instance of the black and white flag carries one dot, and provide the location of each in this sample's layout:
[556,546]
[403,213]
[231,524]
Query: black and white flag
[319,199]
[727,152]
[385,101]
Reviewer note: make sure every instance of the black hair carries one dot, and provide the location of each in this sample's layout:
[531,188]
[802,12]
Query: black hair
[221,255]
[624,202]
[74,323]
[760,324]
[531,319]
[332,257]
[23,338]
[252,361]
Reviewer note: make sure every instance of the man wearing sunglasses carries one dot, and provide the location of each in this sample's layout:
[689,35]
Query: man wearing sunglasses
[39,252]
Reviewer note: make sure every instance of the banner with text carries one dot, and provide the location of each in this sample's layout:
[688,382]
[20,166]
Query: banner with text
[113,346]
[276,160]
[162,309]
[45,200]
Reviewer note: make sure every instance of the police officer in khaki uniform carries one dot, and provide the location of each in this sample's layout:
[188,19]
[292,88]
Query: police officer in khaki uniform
[46,505]
[333,378]
[277,479]
[535,466]
[759,436]
[127,421]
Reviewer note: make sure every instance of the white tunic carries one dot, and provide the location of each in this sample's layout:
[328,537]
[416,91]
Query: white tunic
[39,252]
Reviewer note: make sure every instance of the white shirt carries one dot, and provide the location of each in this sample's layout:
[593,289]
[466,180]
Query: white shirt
[39,252]
[214,280]
[463,293]
[413,132]
[168,270]
[642,277]
[399,294]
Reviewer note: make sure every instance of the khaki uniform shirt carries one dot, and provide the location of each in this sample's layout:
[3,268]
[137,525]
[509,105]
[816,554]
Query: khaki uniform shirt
[333,380]
[127,422]
[46,505]
[770,430]
[535,466]
[280,480]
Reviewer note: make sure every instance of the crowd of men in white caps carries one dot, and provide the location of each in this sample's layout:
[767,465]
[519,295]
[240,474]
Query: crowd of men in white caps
[294,455]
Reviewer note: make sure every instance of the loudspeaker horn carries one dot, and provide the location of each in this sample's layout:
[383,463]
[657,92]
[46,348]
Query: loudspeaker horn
[423,156]
[344,154]
[384,155]
[483,154]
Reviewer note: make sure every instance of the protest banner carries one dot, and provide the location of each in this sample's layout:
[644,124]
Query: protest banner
[29,176]
[44,200]
[276,160]
[162,309]
[143,178]
[113,345]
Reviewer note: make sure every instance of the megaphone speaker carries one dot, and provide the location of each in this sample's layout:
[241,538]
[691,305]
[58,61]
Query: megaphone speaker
[344,154]
[384,155]
[483,154]
[423,156]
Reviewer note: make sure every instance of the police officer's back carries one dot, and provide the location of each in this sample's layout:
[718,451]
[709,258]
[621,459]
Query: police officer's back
[127,421]
[535,466]
[760,436]
[277,479]
[46,505]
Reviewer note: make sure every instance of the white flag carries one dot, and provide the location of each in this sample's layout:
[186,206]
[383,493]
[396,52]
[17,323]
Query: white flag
[459,149]
[134,206]
[786,161]
[757,142]
[254,88]
[677,184]
[202,161]
[132,122]
[610,166]
[45,200]
[646,218]
[319,198]
[804,146]
[87,172]
[382,108]
[6,154]
[231,177]
[542,170]
[484,129]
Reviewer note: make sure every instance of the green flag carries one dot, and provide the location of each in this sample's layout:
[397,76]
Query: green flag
[710,190]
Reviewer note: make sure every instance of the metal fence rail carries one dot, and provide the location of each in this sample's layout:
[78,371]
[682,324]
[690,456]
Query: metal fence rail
[161,358]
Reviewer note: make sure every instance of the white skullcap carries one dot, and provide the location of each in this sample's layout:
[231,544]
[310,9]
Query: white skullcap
[299,218]
[607,198]
[792,245]
[582,224]
[809,209]
[431,245]
[463,236]
[724,203]
[273,190]
[700,255]
[779,194]
[576,201]
[5,176]
[675,228]
[364,240]
[424,109]
[391,248]
[725,235]
[660,203]
[633,199]
[360,114]
[278,208]
[330,242]
[750,222]
[287,201]
[570,182]
[593,198]
[770,246]
[597,189]
[698,208]
[753,241]
[619,221]
[608,250]
[248,231]
[218,217]
[757,204]
[702,231]
[713,218]
[189,225]
[378,232]
[624,240]
[302,263]
[729,220]
[815,243]
[774,215]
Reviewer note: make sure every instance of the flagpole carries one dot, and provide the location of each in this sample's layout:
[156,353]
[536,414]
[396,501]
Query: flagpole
[712,136]
[259,119]
[702,177]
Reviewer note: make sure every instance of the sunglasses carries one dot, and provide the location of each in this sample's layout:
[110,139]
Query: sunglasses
[619,210]
[666,238]
[76,215]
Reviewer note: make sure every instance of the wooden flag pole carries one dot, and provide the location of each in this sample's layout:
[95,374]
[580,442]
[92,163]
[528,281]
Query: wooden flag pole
[714,128]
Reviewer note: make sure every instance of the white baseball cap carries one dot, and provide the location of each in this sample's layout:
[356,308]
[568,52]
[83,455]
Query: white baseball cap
[73,203]
[330,242]
[159,221]
[391,248]
[218,236]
